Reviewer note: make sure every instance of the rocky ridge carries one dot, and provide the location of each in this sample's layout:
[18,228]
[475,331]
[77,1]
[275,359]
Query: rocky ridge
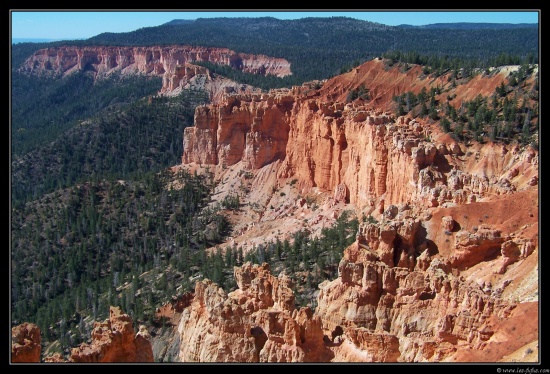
[190,77]
[376,158]
[25,343]
[169,62]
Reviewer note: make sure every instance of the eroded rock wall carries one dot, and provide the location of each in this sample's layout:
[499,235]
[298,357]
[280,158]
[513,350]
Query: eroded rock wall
[377,159]
[167,61]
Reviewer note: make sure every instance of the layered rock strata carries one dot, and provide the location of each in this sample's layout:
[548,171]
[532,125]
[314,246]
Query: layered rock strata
[114,340]
[417,312]
[372,157]
[169,62]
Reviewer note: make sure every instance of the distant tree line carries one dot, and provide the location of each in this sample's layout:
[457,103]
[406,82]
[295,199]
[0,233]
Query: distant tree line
[437,63]
[318,48]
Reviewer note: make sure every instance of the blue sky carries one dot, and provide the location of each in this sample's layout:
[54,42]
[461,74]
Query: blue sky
[85,24]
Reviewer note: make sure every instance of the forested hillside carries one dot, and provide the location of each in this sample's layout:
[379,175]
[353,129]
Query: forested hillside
[122,141]
[74,251]
[43,108]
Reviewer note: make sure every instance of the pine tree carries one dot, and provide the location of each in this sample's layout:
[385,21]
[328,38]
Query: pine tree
[423,110]
[445,125]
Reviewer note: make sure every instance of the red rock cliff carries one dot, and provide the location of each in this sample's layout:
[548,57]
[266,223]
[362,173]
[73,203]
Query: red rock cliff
[448,269]
[113,340]
[167,61]
[384,313]
[252,128]
[375,158]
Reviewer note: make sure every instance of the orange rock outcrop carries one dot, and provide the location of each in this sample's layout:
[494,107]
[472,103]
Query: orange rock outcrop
[386,313]
[258,322]
[374,157]
[114,340]
[25,343]
[251,128]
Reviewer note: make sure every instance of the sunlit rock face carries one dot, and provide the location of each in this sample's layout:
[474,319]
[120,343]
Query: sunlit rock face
[258,322]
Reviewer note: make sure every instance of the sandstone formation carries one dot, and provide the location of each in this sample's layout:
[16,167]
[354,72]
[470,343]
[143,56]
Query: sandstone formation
[169,62]
[390,313]
[114,340]
[251,128]
[448,223]
[445,269]
[374,157]
[258,322]
[385,82]
[25,343]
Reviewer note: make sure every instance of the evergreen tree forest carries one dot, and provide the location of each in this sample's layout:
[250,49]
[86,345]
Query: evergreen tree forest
[43,108]
[143,136]
[308,260]
[89,184]
[80,249]
[319,48]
